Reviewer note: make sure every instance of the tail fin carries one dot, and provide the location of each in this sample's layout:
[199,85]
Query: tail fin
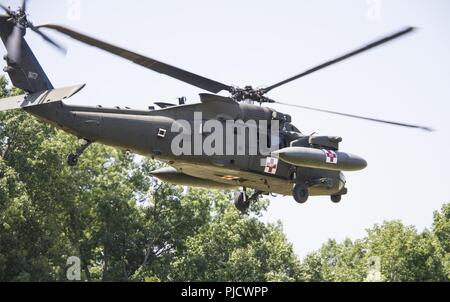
[28,74]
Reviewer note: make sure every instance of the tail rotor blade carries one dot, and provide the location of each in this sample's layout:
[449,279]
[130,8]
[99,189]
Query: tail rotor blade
[24,5]
[48,39]
[6,9]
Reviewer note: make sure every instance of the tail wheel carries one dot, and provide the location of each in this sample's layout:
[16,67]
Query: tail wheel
[300,193]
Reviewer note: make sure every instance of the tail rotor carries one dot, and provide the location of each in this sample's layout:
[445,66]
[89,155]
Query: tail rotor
[21,23]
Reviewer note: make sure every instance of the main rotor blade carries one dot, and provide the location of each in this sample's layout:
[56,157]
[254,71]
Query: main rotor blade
[48,39]
[343,57]
[171,71]
[358,116]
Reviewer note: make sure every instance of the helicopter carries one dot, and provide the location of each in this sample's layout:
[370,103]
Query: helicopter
[185,136]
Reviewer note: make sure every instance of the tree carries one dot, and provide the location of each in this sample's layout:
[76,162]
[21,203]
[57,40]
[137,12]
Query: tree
[441,229]
[398,252]
[235,247]
[405,254]
[336,262]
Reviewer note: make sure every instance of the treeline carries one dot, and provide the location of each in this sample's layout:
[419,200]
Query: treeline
[124,225]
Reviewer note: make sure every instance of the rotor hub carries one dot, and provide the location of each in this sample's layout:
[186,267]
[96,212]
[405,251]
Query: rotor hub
[19,17]
[249,93]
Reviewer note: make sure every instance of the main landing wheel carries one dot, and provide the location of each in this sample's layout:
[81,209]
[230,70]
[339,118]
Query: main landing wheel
[336,198]
[300,193]
[72,159]
[242,202]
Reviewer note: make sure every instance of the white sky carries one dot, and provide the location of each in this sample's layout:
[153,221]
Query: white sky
[262,42]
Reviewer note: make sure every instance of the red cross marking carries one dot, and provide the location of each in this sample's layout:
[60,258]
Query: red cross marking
[331,156]
[271,165]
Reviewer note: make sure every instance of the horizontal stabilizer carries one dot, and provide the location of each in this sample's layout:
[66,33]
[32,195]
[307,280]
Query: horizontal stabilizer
[39,98]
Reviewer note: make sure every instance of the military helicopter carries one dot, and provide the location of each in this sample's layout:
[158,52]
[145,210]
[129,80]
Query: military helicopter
[299,165]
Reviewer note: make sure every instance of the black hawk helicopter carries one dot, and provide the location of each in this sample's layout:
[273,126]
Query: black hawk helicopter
[298,165]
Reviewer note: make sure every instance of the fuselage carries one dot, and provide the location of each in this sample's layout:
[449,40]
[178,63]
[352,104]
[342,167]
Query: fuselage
[140,131]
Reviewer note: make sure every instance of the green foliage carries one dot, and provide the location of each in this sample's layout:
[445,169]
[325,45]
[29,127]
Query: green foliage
[441,230]
[336,262]
[402,252]
[125,225]
[234,247]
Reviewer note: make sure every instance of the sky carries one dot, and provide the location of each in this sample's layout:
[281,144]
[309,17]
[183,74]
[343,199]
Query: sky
[259,43]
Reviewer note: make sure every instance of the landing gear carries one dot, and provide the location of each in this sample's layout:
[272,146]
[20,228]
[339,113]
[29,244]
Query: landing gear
[336,198]
[300,193]
[72,159]
[242,201]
